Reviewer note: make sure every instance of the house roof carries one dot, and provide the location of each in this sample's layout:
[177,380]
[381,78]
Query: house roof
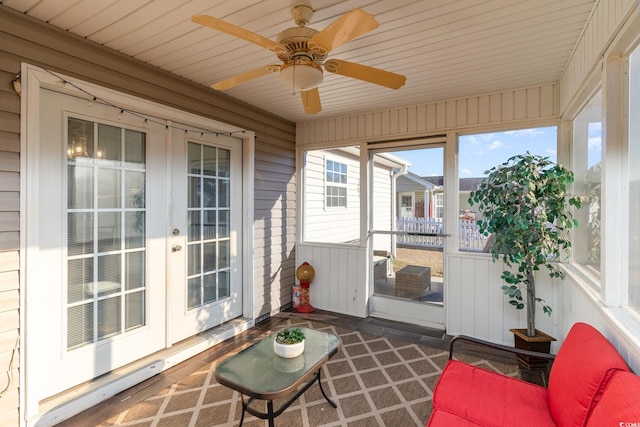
[466,184]
[447,49]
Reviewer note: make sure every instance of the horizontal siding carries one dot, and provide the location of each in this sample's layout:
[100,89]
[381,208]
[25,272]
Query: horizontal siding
[533,103]
[9,243]
[605,21]
[274,222]
[330,225]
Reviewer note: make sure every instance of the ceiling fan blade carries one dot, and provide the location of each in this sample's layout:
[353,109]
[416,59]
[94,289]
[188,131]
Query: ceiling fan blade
[346,28]
[234,30]
[366,73]
[245,77]
[311,101]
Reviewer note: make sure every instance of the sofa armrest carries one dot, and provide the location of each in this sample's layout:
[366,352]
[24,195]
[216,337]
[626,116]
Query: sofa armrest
[494,346]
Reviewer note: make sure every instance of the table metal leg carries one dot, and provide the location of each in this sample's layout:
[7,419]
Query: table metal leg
[322,390]
[270,413]
[244,408]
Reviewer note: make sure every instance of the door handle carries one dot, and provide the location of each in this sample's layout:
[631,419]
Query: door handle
[176,248]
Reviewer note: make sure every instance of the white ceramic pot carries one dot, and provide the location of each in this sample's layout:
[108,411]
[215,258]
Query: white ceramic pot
[288,350]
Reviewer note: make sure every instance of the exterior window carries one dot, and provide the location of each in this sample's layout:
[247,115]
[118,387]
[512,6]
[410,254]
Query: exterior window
[634,181]
[106,285]
[439,205]
[336,184]
[587,160]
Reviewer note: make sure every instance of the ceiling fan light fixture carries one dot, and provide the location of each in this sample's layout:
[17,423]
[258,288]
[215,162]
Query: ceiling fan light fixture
[301,74]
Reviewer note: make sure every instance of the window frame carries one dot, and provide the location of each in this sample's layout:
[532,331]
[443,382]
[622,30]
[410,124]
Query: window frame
[339,185]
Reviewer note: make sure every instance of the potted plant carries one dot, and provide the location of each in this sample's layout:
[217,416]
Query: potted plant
[526,209]
[289,342]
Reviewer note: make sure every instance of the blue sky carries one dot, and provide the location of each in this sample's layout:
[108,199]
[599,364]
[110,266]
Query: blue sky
[481,152]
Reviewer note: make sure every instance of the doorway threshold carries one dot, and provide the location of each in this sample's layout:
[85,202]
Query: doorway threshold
[64,405]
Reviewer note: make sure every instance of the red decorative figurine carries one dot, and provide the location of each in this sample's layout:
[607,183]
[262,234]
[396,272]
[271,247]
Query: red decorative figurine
[305,274]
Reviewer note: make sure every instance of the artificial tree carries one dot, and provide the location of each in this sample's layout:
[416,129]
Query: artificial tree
[526,209]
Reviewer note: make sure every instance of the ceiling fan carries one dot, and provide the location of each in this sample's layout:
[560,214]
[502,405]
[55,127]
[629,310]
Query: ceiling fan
[303,51]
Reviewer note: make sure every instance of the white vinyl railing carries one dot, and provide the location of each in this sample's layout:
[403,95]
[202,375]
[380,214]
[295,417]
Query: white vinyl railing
[470,238]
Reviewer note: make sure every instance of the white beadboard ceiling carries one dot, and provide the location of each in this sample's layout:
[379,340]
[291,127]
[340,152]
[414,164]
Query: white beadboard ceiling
[446,48]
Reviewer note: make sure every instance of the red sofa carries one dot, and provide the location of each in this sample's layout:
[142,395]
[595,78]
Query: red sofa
[589,385]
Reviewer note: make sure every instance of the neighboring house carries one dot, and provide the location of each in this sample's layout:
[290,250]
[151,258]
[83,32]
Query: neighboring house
[423,197]
[416,196]
[332,196]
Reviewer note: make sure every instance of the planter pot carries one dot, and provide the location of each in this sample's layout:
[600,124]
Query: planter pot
[533,369]
[541,342]
[288,350]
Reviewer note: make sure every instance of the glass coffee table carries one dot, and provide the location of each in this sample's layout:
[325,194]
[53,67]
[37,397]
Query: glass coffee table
[257,372]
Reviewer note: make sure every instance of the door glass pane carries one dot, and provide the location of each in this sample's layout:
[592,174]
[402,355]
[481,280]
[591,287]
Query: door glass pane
[80,273]
[208,213]
[80,187]
[108,188]
[80,233]
[106,279]
[134,148]
[134,310]
[209,291]
[223,193]
[134,229]
[194,292]
[134,183]
[194,225]
[108,273]
[209,160]
[195,158]
[134,270]
[224,284]
[194,192]
[109,317]
[108,231]
[109,143]
[80,328]
[224,163]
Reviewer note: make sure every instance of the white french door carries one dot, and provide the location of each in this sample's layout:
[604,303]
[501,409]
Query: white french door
[133,239]
[94,300]
[206,217]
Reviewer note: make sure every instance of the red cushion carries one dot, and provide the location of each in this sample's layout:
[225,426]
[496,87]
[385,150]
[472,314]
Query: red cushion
[620,402]
[582,368]
[446,419]
[488,398]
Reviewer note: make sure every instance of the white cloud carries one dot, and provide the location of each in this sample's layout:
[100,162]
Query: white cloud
[595,143]
[551,151]
[466,172]
[525,132]
[473,140]
[495,145]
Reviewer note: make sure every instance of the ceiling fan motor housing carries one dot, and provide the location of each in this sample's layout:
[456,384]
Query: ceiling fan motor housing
[295,40]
